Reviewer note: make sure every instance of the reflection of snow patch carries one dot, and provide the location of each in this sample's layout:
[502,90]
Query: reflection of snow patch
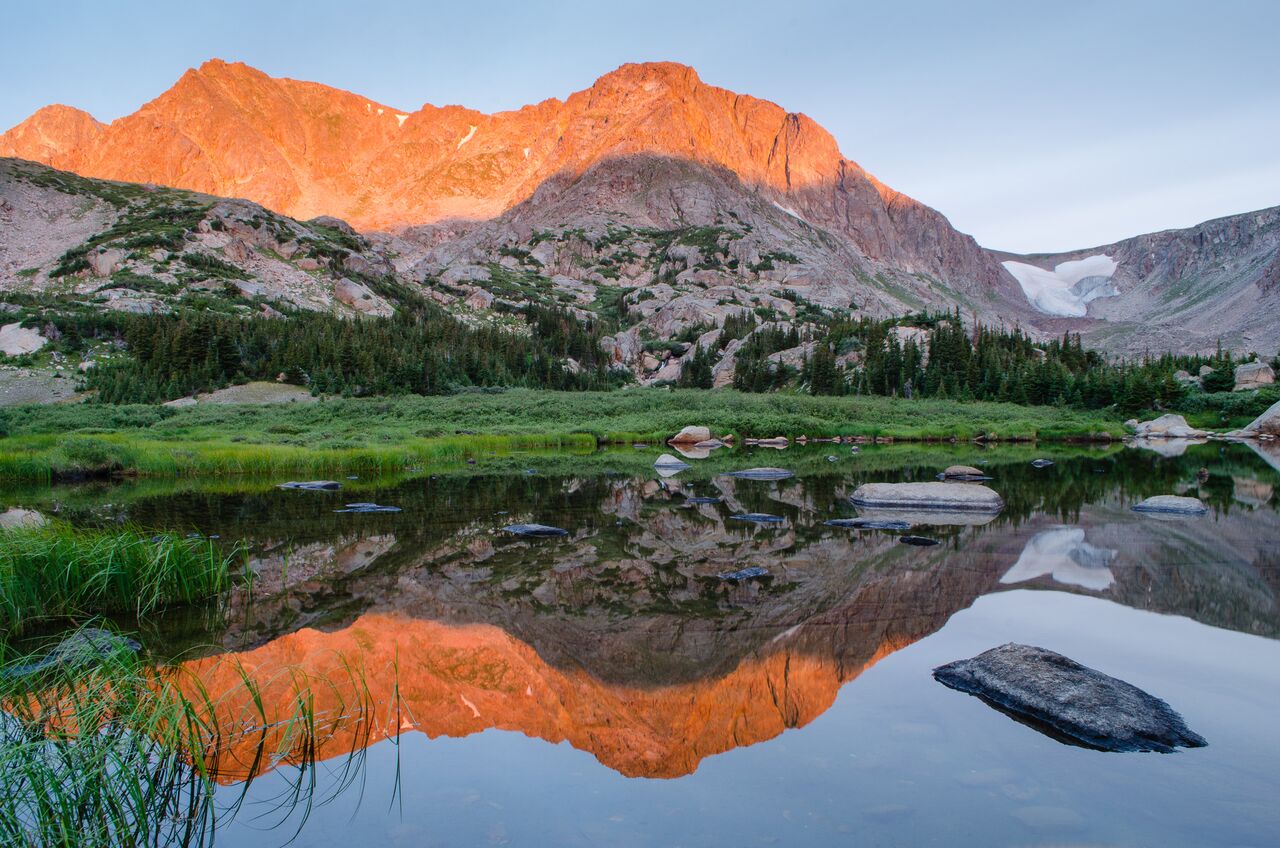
[467,137]
[475,713]
[400,119]
[526,153]
[1063,553]
[1069,287]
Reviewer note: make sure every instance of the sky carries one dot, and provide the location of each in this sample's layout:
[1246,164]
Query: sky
[1034,126]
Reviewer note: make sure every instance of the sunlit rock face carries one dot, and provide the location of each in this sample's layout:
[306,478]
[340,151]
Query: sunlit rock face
[306,149]
[1068,288]
[1063,554]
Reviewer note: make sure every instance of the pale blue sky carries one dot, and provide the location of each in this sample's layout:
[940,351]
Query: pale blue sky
[1032,125]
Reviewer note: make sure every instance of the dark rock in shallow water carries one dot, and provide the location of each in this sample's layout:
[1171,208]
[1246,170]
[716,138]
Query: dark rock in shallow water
[918,541]
[86,645]
[368,507]
[867,524]
[749,573]
[758,517]
[762,474]
[1068,701]
[313,485]
[704,500]
[535,530]
[1041,463]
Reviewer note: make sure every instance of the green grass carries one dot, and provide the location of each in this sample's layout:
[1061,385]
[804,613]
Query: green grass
[386,436]
[55,571]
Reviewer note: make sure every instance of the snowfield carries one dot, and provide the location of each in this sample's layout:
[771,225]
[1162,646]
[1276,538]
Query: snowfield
[1069,287]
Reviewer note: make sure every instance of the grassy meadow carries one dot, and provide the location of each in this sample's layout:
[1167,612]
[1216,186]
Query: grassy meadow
[389,435]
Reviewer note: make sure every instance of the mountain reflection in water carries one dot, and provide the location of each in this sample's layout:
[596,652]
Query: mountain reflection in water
[621,639]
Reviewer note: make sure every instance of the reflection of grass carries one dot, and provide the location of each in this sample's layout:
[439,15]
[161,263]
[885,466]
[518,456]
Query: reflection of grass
[55,571]
[379,435]
[112,752]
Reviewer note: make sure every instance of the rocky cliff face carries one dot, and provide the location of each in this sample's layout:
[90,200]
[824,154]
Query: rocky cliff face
[143,249]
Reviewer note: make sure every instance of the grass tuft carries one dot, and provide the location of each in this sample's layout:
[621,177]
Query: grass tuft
[56,571]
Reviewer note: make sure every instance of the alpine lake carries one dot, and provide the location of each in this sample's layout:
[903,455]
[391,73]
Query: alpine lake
[665,674]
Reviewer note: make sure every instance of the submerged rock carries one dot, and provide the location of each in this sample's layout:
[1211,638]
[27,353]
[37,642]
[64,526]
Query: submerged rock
[868,524]
[1041,463]
[758,517]
[368,507]
[312,485]
[946,496]
[702,500]
[89,644]
[1174,504]
[762,474]
[535,530]
[1068,701]
[918,541]
[749,573]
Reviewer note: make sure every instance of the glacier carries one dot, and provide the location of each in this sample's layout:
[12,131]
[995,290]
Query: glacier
[1069,287]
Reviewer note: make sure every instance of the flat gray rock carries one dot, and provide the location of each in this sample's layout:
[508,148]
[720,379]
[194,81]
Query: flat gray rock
[762,474]
[868,524]
[956,497]
[535,530]
[669,461]
[758,517]
[1174,504]
[1069,702]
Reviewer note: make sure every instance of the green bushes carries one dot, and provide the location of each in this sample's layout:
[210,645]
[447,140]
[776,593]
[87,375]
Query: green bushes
[55,571]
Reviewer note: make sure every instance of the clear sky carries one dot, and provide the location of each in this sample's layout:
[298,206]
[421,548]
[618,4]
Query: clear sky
[1032,125]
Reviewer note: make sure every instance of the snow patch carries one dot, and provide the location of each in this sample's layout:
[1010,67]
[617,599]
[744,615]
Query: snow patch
[400,119]
[526,153]
[1069,287]
[380,111]
[467,137]
[1063,554]
[793,213]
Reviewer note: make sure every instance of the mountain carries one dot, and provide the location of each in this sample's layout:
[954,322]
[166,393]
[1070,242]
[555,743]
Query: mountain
[1171,290]
[304,149]
[656,197]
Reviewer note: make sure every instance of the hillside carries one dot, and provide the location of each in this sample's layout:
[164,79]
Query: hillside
[1182,290]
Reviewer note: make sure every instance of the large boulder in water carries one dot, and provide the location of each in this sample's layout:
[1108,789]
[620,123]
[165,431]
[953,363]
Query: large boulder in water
[1068,701]
[1167,427]
[691,436]
[954,497]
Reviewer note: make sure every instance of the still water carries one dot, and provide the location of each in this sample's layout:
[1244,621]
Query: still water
[609,688]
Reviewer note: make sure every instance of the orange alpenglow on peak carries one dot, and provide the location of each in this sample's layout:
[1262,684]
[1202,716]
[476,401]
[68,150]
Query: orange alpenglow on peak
[306,149]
